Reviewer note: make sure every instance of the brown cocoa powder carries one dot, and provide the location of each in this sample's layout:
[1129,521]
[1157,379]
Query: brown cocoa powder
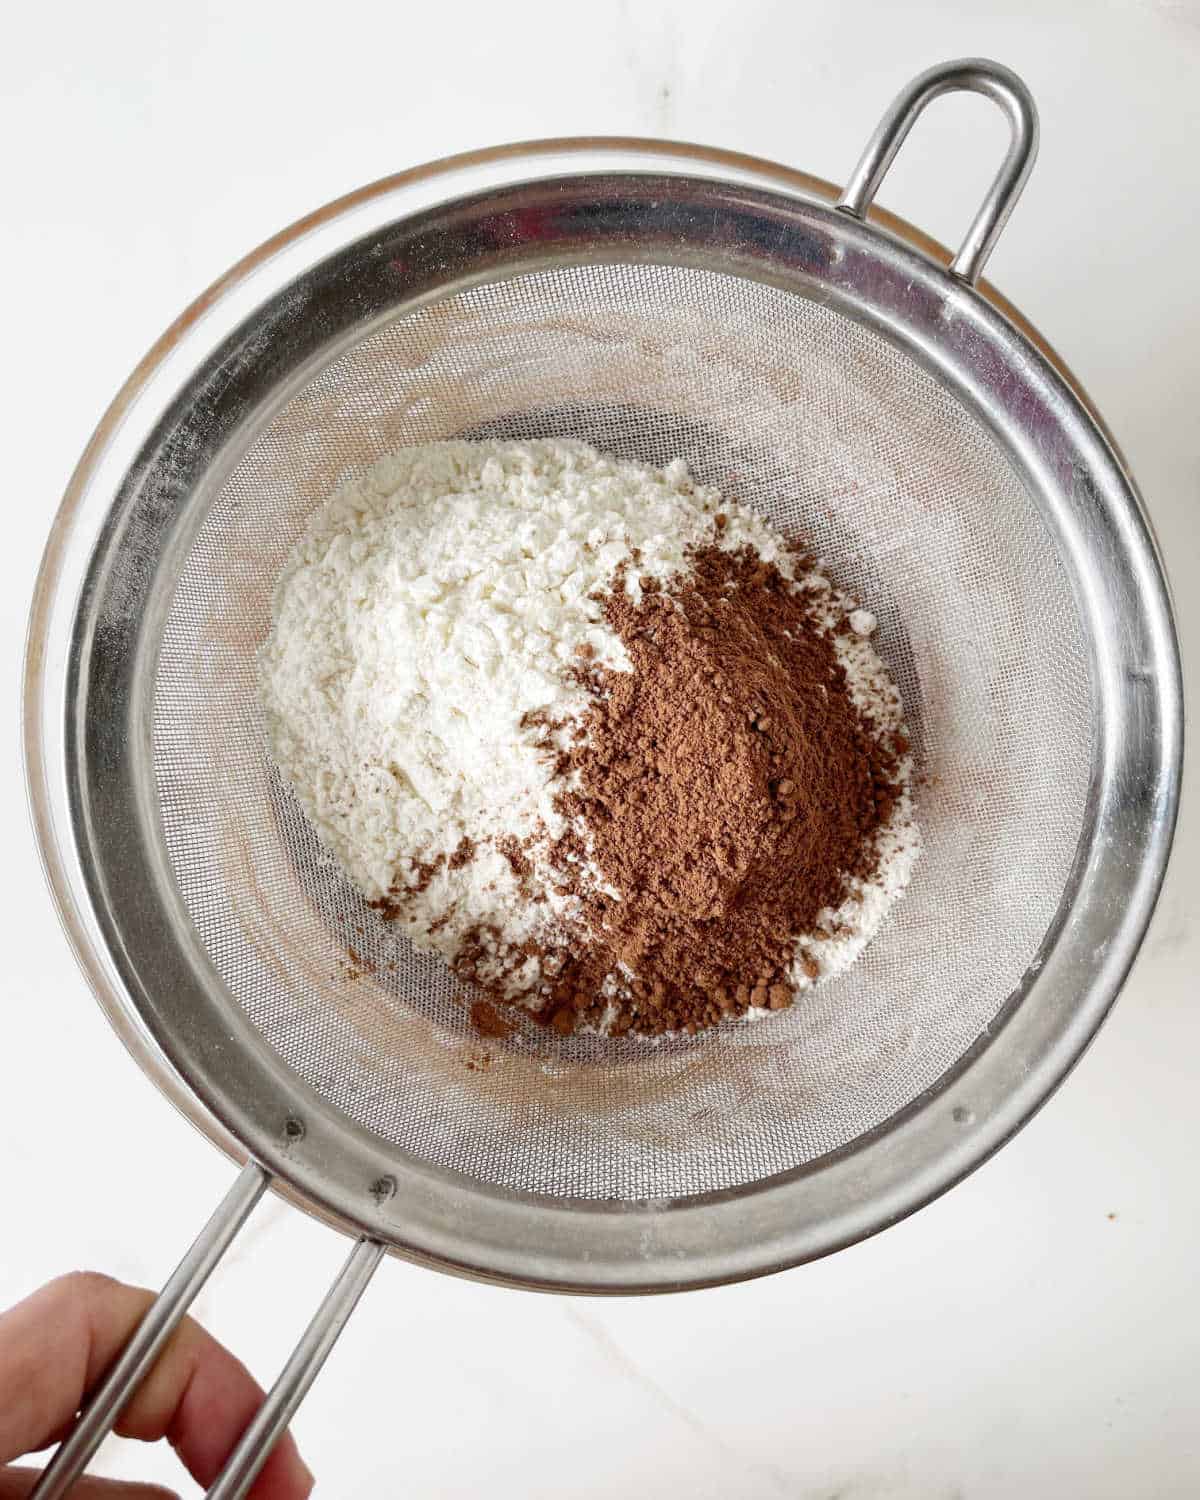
[729,786]
[487,1020]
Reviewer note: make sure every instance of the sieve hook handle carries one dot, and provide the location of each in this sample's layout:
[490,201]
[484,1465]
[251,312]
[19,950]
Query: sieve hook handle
[165,1314]
[978,76]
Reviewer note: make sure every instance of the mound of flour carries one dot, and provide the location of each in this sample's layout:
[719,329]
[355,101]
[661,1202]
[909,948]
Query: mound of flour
[428,627]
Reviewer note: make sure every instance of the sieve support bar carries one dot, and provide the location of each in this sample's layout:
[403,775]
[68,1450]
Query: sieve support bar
[163,1317]
[978,76]
[255,1444]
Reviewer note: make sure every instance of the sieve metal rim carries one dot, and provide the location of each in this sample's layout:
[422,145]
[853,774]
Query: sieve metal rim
[555,1269]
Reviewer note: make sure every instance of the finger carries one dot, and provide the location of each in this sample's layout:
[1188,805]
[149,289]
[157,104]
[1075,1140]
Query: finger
[56,1344]
[15,1484]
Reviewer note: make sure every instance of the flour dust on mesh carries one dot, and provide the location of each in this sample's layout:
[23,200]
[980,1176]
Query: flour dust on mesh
[599,736]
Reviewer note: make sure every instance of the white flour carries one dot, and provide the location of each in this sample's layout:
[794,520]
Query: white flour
[431,614]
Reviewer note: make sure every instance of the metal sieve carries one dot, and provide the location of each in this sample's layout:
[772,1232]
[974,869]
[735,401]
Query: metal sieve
[658,301]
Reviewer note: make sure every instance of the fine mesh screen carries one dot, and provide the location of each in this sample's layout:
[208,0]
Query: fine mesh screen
[835,436]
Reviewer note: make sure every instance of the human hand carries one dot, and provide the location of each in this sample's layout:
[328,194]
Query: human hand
[57,1344]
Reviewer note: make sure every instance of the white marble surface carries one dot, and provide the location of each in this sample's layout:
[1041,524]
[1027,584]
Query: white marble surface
[1037,1331]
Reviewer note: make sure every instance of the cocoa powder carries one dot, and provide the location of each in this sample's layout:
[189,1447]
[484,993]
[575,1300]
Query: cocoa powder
[728,785]
[487,1020]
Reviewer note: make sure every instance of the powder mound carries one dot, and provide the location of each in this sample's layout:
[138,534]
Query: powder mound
[598,736]
[425,623]
[732,792]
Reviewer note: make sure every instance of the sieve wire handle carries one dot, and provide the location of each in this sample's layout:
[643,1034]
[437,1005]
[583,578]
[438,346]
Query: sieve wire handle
[166,1313]
[255,1444]
[978,76]
[160,1322]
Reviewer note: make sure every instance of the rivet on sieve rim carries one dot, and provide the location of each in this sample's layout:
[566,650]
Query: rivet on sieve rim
[950,310]
[963,1116]
[382,1189]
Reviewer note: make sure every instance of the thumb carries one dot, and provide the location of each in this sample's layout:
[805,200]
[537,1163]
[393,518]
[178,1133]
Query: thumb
[15,1484]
